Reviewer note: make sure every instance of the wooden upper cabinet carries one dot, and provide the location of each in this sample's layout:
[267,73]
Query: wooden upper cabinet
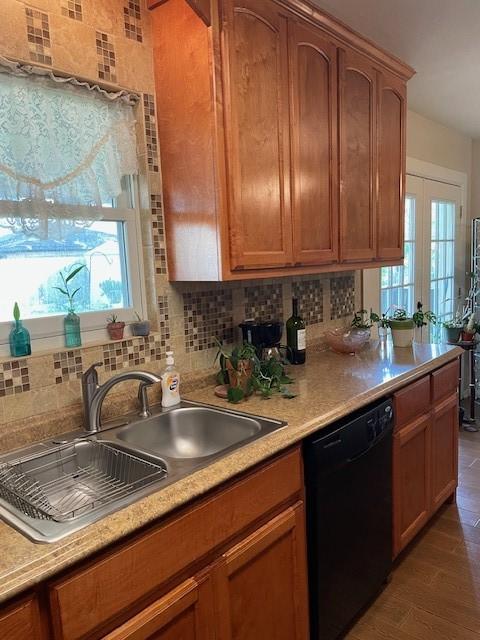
[257,133]
[357,157]
[391,166]
[313,82]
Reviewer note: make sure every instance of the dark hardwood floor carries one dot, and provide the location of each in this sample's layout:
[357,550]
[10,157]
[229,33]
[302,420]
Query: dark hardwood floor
[435,589]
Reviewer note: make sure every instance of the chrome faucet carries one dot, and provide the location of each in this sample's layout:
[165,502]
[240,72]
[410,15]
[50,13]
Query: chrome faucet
[94,394]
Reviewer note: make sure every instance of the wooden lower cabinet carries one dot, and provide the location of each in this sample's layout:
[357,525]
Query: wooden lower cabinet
[425,451]
[260,584]
[185,613]
[444,450]
[22,621]
[411,481]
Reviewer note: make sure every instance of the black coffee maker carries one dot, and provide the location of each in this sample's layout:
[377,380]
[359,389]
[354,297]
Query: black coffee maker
[265,335]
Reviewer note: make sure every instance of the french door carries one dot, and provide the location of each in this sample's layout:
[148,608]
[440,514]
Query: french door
[434,266]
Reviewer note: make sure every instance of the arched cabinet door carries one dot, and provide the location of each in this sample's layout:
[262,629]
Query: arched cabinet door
[313,82]
[357,158]
[254,55]
[391,104]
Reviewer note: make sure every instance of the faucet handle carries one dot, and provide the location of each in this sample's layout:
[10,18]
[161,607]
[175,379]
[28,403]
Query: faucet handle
[91,372]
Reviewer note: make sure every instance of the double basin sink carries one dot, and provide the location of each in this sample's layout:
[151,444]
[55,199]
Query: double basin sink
[54,488]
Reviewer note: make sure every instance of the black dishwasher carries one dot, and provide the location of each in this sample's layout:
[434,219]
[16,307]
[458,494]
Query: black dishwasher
[348,473]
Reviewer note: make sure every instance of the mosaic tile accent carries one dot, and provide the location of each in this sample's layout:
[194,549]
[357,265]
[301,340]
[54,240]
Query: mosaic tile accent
[164,327]
[67,365]
[342,297]
[72,9]
[106,61]
[38,36]
[207,315]
[158,234]
[14,377]
[310,300]
[132,20]
[132,353]
[264,302]
[151,132]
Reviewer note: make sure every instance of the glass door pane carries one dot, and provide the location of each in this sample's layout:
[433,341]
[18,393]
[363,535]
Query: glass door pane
[442,263]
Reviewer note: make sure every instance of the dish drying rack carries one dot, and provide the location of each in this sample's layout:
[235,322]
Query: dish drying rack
[64,483]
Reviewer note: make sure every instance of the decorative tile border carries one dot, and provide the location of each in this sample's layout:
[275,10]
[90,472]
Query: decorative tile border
[151,132]
[106,60]
[14,378]
[132,20]
[342,297]
[38,36]
[72,9]
[264,302]
[164,326]
[207,315]
[158,234]
[310,300]
[67,365]
[132,353]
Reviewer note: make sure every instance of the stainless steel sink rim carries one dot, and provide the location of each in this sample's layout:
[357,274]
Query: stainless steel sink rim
[177,468]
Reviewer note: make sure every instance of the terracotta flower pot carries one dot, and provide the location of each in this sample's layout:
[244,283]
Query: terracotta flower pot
[240,377]
[115,330]
[467,336]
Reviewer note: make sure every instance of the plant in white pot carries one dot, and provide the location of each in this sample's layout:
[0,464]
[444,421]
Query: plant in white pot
[402,326]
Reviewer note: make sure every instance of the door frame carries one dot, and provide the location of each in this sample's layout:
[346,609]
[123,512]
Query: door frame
[427,170]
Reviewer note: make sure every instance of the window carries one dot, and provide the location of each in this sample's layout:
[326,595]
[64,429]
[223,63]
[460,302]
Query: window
[68,197]
[397,284]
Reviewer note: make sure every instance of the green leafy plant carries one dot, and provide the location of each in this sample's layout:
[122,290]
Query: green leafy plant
[112,319]
[16,312]
[421,317]
[66,290]
[245,373]
[362,319]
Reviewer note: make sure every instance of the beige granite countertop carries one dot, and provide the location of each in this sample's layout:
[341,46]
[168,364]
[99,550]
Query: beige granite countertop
[328,387]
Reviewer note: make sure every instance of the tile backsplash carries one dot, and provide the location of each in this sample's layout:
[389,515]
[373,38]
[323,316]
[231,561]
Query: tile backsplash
[110,42]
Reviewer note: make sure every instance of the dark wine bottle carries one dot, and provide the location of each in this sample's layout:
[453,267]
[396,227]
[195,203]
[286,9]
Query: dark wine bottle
[296,336]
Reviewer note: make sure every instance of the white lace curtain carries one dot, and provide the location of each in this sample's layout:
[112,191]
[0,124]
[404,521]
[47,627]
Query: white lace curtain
[63,149]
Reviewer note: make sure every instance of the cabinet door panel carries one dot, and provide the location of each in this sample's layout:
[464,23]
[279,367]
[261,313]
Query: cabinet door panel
[21,621]
[257,125]
[260,584]
[357,158]
[444,450]
[411,481]
[185,612]
[391,166]
[313,77]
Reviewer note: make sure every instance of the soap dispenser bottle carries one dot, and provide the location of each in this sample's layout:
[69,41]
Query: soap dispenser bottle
[170,383]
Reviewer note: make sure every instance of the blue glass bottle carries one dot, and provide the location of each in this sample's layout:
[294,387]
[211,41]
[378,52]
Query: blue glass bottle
[20,344]
[71,325]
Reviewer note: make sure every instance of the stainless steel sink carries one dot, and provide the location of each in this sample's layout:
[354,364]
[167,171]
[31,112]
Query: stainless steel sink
[190,432]
[48,491]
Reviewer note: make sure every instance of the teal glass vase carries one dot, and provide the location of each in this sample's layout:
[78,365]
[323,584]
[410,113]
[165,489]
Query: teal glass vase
[20,344]
[71,325]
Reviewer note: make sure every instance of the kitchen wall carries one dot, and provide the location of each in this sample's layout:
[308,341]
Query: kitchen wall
[109,41]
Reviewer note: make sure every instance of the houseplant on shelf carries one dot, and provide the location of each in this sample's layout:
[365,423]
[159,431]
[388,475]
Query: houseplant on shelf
[471,328]
[453,328]
[71,322]
[19,337]
[243,373]
[140,327]
[115,328]
[421,318]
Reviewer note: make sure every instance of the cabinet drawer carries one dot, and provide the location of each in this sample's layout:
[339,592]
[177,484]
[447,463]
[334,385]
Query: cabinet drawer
[91,597]
[445,381]
[411,402]
[21,620]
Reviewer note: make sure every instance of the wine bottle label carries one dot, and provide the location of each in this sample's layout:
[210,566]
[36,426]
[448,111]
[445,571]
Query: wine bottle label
[301,339]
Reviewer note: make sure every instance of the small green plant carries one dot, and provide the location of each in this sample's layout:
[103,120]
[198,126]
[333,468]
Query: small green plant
[112,319]
[16,312]
[364,320]
[66,291]
[245,373]
[421,317]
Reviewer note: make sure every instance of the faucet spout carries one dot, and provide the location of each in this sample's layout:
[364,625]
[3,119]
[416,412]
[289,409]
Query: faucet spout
[95,400]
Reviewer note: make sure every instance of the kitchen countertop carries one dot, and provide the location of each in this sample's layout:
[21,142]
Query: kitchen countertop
[328,387]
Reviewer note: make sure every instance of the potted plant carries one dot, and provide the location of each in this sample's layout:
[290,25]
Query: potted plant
[468,334]
[19,337]
[363,320]
[140,327]
[71,322]
[115,328]
[421,318]
[243,373]
[403,326]
[453,328]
